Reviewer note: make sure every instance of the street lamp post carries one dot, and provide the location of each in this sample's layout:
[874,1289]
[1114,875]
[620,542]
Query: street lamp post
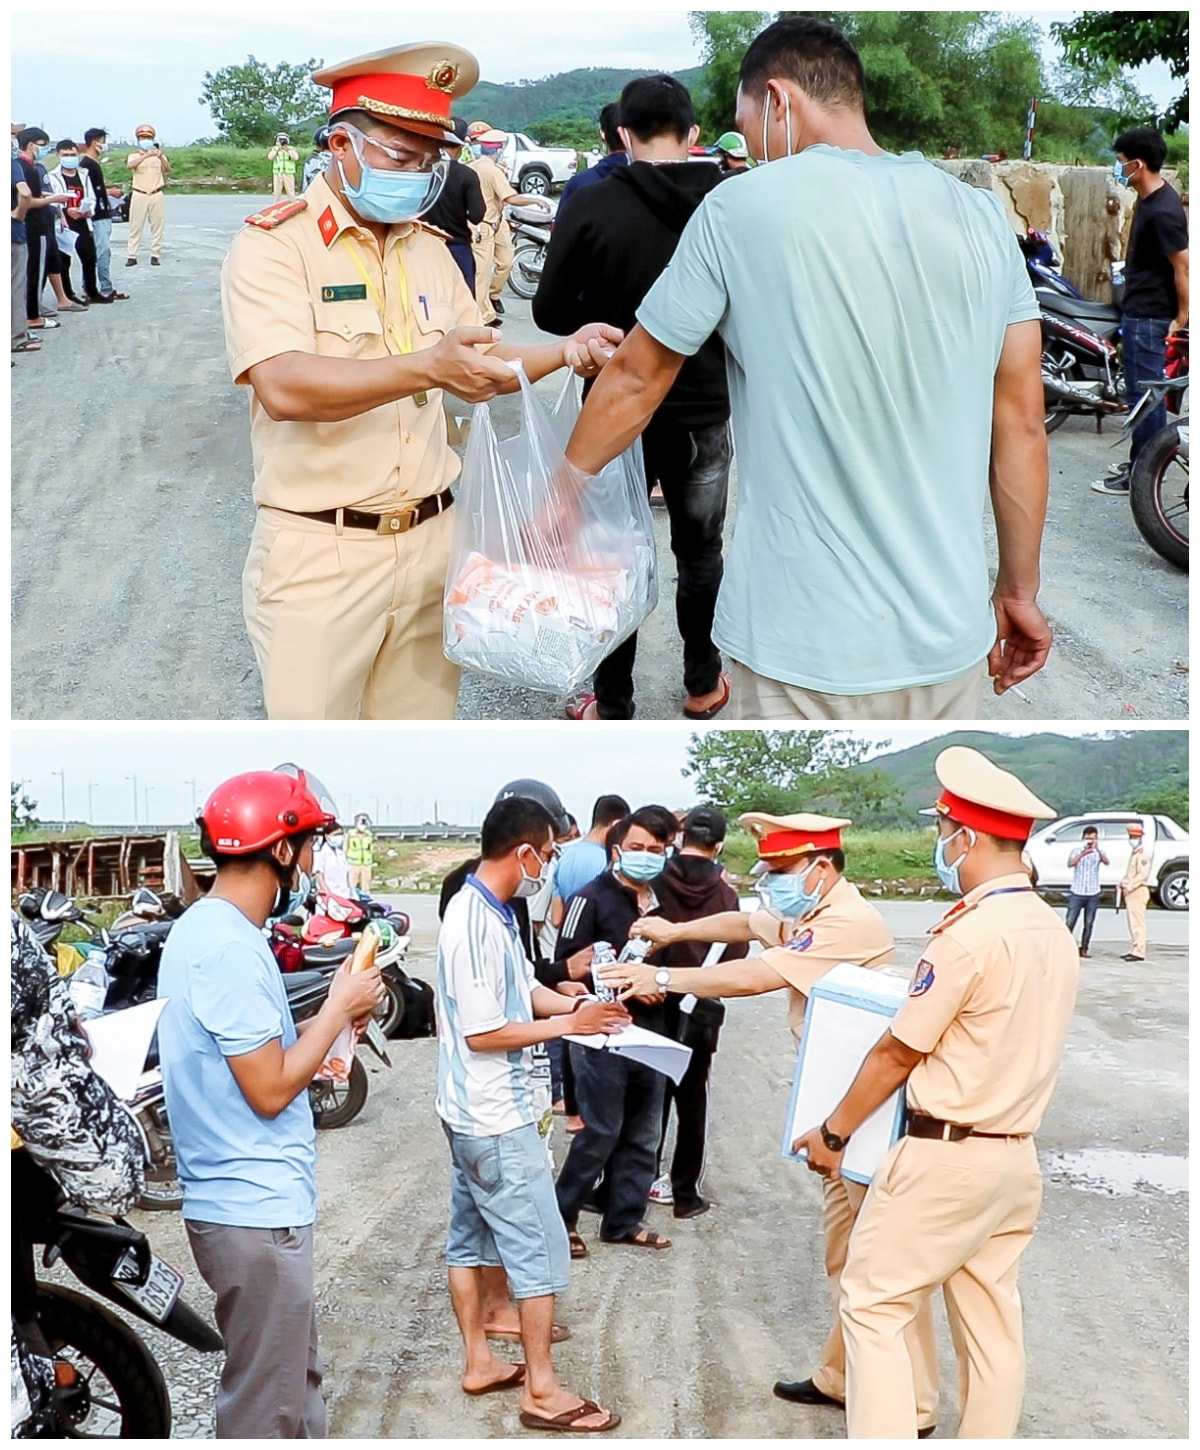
[92,784]
[135,797]
[62,782]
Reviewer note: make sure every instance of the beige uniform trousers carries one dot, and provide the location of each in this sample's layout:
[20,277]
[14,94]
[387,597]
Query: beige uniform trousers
[493,253]
[754,697]
[843,1201]
[144,207]
[1136,902]
[283,184]
[360,877]
[957,1215]
[349,626]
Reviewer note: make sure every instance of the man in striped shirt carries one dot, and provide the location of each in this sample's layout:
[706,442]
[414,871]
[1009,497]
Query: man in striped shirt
[503,1210]
[1084,897]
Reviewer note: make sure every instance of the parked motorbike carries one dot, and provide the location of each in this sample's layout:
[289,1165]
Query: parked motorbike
[1044,265]
[332,939]
[107,1381]
[531,229]
[1159,480]
[1081,365]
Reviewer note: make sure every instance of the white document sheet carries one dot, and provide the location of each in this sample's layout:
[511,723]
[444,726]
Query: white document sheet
[651,1049]
[120,1043]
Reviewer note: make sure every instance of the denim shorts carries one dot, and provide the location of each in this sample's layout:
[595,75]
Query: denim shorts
[503,1211]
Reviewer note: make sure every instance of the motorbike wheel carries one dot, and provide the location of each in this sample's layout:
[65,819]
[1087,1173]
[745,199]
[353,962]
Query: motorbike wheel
[391,1010]
[523,279]
[120,1392]
[335,1104]
[1158,495]
[163,1192]
[1058,410]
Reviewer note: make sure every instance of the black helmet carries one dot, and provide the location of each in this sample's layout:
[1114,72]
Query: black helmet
[545,795]
[459,127]
[321,138]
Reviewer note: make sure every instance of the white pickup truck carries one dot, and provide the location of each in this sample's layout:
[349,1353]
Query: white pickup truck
[534,169]
[1047,853]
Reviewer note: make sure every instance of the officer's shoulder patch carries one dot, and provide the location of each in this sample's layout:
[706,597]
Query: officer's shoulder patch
[433,231]
[802,942]
[922,978]
[273,216]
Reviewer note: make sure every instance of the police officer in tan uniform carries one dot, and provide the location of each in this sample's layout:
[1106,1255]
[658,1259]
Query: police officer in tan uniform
[979,1041]
[347,320]
[815,919]
[147,203]
[1135,887]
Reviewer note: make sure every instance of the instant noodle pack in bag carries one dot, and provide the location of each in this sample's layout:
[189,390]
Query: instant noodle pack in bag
[547,574]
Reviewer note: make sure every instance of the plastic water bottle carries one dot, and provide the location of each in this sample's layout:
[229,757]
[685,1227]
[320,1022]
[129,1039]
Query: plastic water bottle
[88,988]
[603,956]
[636,950]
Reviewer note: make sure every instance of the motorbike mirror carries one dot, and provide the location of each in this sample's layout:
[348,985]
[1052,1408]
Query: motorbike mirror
[146,903]
[57,907]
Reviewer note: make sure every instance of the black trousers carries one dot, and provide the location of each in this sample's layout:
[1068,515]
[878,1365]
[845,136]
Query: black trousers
[692,465]
[691,1129]
[85,250]
[35,271]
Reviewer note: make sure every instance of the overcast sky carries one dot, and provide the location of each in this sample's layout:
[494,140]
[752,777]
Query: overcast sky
[394,773]
[118,68]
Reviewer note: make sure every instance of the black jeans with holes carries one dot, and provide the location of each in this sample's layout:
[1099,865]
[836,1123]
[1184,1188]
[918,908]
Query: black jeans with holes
[692,465]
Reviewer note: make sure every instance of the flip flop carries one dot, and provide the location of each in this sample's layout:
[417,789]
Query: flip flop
[577,706]
[45,322]
[567,1421]
[579,1248]
[641,1239]
[558,1332]
[28,346]
[509,1382]
[713,710]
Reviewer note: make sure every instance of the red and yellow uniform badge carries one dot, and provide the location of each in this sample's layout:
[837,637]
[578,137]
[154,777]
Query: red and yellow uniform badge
[272,216]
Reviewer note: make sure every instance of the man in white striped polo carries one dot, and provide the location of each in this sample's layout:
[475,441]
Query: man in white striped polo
[1085,862]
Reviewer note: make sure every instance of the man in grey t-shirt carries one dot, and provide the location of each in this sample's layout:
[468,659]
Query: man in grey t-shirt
[884,348]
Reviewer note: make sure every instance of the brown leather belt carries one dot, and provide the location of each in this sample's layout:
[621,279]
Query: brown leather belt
[396,521]
[922,1126]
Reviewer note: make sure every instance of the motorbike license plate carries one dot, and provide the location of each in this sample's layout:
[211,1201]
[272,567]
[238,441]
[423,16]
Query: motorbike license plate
[157,1296]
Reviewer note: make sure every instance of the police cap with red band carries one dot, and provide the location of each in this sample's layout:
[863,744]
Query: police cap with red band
[978,794]
[798,835]
[410,87]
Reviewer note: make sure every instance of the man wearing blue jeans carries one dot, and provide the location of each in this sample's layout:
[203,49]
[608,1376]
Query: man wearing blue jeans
[1085,863]
[1155,303]
[503,1210]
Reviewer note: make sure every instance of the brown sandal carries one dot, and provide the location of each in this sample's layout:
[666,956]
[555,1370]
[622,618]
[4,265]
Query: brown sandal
[579,1248]
[568,1421]
[510,1381]
[644,1238]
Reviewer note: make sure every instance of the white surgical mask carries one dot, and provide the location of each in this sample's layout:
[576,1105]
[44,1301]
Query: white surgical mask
[787,121]
[528,885]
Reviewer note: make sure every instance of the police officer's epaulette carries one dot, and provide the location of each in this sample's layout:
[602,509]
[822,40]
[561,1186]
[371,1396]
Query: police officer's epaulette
[956,913]
[433,231]
[273,216]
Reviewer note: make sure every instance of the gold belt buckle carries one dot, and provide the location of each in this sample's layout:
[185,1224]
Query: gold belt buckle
[398,521]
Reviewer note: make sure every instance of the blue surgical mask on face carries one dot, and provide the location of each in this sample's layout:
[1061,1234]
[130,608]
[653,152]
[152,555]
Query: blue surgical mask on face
[1118,171]
[391,197]
[69,163]
[146,144]
[788,895]
[640,865]
[948,875]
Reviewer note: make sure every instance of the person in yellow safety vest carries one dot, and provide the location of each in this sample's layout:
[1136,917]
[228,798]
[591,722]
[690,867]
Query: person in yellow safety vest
[360,852]
[283,157]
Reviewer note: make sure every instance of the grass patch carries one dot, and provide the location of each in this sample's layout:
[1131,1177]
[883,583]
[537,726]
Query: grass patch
[871,856]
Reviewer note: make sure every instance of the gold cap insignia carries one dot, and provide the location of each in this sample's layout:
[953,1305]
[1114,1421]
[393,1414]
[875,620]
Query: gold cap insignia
[442,77]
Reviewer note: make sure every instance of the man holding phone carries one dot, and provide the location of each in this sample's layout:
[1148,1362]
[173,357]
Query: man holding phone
[1085,862]
[150,171]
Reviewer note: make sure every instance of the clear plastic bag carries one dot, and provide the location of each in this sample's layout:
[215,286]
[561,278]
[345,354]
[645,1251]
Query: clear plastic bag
[546,578]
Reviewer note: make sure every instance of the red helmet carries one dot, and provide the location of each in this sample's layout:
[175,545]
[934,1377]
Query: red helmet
[254,810]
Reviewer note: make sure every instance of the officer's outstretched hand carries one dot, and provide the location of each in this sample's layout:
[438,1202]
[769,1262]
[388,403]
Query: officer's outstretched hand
[458,365]
[587,351]
[1023,640]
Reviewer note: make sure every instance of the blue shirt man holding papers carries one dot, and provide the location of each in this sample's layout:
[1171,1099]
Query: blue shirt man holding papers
[502,1205]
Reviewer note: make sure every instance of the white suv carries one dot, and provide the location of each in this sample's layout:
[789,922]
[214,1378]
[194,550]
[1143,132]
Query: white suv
[1169,846]
[534,169]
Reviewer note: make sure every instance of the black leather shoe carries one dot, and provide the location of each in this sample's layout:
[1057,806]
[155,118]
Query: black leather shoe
[926,1433]
[131,261]
[154,262]
[804,1392]
[692,1210]
[1129,957]
[498,305]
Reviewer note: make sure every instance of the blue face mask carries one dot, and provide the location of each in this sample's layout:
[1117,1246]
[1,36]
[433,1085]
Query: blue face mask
[787,895]
[146,145]
[1118,171]
[391,197]
[640,865]
[69,163]
[948,875]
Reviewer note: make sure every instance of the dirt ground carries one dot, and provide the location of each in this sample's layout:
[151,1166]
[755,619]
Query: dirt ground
[687,1343]
[132,513]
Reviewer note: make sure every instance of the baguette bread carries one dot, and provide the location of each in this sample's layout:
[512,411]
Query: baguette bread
[364,953]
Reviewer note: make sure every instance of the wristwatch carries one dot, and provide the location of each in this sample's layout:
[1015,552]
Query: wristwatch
[832,1141]
[662,978]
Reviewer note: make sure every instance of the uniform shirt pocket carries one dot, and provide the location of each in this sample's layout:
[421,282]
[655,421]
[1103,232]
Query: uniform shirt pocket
[433,319]
[348,329]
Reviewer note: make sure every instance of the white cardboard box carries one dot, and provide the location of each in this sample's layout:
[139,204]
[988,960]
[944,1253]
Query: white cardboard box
[848,1012]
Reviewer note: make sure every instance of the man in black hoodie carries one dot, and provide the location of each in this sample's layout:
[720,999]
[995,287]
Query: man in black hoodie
[693,886]
[607,251]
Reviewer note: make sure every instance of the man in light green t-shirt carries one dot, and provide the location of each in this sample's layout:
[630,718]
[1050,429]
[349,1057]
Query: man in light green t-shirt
[884,365]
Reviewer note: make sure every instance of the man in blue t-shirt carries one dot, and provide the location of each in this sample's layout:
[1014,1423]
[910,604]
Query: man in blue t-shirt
[236,1071]
[585,859]
[20,205]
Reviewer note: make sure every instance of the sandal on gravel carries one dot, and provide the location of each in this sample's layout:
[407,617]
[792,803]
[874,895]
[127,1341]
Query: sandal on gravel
[713,710]
[568,1421]
[558,1332]
[579,1248]
[577,706]
[509,1382]
[29,345]
[643,1238]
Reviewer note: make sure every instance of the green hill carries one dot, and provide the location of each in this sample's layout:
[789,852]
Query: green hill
[1146,770]
[574,95]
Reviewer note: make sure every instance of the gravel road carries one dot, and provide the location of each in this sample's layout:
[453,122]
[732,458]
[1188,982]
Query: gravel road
[125,574]
[687,1343]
